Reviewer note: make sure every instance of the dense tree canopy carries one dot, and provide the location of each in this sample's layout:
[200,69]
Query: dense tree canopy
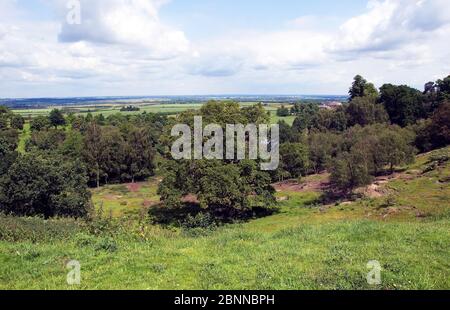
[372,134]
[225,187]
[48,186]
[56,118]
[294,159]
[8,145]
[435,132]
[403,104]
[306,115]
[17,122]
[367,151]
[283,111]
[364,111]
[40,123]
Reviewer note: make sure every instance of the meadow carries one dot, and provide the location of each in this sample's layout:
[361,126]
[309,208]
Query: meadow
[167,109]
[304,245]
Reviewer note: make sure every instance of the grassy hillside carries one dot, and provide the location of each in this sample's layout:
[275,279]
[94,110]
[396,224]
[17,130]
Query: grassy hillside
[404,224]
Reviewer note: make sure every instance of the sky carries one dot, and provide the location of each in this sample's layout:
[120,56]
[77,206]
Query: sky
[205,47]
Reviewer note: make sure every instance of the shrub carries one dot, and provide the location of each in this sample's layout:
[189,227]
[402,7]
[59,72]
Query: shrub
[34,229]
[201,220]
[107,244]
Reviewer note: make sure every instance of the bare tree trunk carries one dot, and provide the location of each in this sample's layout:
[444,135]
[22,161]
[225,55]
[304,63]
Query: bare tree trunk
[98,176]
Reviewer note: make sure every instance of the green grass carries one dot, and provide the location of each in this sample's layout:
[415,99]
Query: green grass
[23,137]
[294,256]
[274,119]
[169,109]
[303,246]
[112,109]
[119,200]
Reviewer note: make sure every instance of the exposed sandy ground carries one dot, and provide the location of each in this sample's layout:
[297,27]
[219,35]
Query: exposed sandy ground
[312,183]
[135,187]
[321,182]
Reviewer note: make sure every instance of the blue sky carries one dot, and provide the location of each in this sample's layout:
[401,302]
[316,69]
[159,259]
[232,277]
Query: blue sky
[203,18]
[162,47]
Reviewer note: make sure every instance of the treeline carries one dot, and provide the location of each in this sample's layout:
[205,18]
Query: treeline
[130,108]
[373,133]
[66,154]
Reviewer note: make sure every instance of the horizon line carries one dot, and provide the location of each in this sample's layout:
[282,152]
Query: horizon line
[171,96]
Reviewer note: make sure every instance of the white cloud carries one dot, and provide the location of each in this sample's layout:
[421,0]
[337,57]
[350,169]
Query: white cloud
[123,47]
[390,24]
[126,22]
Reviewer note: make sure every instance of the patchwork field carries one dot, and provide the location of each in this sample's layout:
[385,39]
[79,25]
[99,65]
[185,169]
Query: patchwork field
[168,109]
[305,245]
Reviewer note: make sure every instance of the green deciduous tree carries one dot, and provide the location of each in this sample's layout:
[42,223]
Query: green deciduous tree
[40,123]
[435,132]
[403,104]
[45,185]
[17,122]
[306,114]
[364,111]
[330,120]
[283,111]
[350,170]
[295,159]
[323,146]
[367,151]
[224,187]
[49,140]
[361,88]
[8,146]
[56,118]
[287,133]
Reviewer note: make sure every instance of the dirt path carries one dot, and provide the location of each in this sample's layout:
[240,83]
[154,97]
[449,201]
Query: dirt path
[314,183]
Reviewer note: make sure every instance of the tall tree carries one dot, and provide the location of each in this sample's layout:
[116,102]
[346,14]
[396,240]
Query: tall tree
[350,170]
[93,151]
[226,187]
[364,111]
[358,86]
[403,104]
[361,88]
[56,118]
[8,145]
[140,154]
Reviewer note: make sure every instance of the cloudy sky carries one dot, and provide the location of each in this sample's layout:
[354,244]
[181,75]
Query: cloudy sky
[183,47]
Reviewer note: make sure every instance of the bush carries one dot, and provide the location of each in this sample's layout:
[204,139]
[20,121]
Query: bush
[106,244]
[199,225]
[84,240]
[201,220]
[437,160]
[34,229]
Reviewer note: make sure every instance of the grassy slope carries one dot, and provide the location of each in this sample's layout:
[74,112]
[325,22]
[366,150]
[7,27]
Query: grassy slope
[302,247]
